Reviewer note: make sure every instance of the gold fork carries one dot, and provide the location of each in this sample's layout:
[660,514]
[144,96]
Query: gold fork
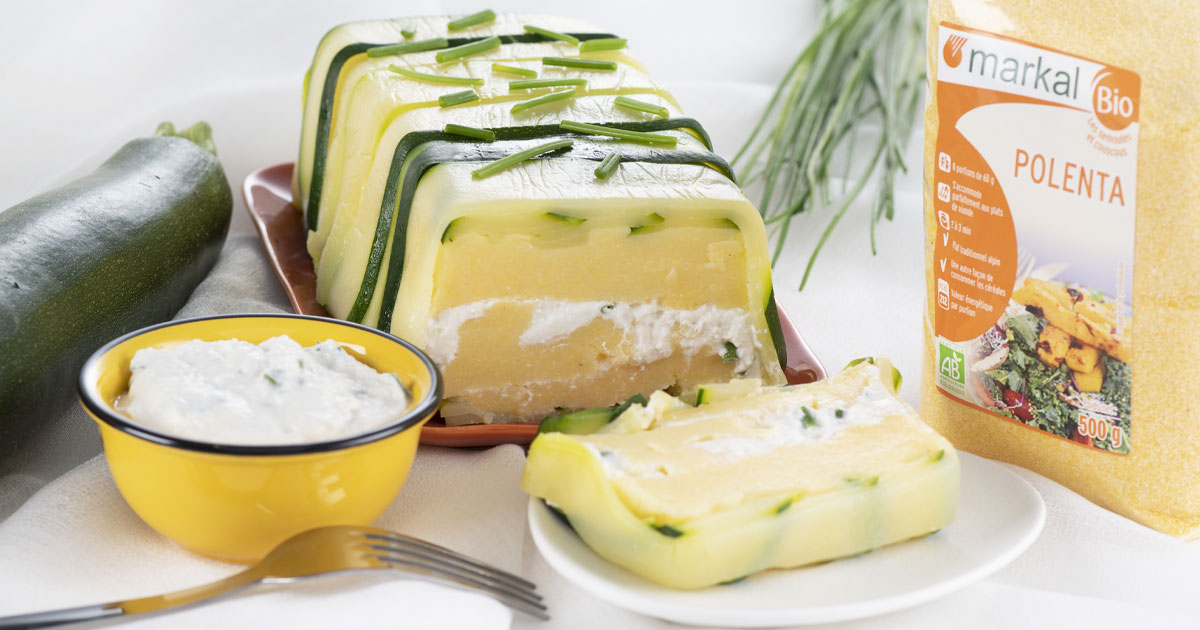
[317,551]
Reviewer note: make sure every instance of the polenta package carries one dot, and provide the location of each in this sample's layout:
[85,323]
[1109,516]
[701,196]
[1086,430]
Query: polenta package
[1062,214]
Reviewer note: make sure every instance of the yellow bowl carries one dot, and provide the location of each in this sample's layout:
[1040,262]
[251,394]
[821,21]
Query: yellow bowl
[234,503]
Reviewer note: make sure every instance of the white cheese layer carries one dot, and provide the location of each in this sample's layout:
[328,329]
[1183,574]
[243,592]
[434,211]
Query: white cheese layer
[277,392]
[654,332]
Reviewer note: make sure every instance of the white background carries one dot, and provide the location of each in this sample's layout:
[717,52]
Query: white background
[80,78]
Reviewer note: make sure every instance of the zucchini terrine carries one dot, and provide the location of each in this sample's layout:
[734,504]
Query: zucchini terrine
[620,258]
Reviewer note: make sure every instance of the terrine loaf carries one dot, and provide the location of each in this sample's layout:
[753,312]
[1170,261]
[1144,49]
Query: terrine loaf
[762,477]
[535,214]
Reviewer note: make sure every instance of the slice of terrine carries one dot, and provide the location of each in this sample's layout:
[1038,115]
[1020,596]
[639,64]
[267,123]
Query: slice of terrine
[761,478]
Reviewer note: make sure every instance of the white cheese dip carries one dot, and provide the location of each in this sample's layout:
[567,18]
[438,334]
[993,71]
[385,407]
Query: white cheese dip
[277,392]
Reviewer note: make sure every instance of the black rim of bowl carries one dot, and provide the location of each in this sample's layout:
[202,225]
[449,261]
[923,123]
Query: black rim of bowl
[91,400]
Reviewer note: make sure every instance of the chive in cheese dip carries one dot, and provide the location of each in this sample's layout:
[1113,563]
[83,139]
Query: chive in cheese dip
[274,393]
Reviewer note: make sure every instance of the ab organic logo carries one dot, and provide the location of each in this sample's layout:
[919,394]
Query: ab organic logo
[952,368]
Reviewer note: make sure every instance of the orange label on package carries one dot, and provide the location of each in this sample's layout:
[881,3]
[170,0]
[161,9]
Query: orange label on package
[1034,188]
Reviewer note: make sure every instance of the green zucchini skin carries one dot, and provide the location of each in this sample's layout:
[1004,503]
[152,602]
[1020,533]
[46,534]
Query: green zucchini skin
[111,252]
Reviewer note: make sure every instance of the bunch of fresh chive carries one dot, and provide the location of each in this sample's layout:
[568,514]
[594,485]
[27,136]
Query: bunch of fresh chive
[866,62]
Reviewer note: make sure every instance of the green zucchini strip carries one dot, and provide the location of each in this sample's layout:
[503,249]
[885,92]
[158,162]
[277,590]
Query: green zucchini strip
[329,91]
[776,329]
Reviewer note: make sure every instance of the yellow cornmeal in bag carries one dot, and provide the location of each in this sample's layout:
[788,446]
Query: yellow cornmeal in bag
[1062,213]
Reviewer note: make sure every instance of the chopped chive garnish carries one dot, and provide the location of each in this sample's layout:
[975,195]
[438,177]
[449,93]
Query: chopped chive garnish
[514,70]
[621,134]
[608,165]
[457,98]
[542,100]
[466,50]
[533,84]
[471,132]
[575,62]
[475,19]
[408,47]
[651,221]
[566,218]
[937,457]
[636,399]
[408,33]
[562,37]
[605,43]
[401,384]
[787,503]
[270,380]
[839,413]
[667,530]
[435,78]
[510,161]
[807,419]
[731,353]
[641,106]
[448,233]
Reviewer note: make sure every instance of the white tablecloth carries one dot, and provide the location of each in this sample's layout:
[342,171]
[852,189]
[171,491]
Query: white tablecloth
[81,78]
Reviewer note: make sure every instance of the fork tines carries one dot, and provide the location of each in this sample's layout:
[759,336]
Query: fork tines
[448,555]
[418,556]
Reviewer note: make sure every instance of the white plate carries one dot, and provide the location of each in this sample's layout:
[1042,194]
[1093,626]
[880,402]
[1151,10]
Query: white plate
[999,516]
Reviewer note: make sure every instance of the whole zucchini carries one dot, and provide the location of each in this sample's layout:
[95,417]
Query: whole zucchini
[116,250]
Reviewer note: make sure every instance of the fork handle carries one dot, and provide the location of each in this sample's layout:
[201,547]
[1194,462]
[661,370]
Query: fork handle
[51,618]
[94,612]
